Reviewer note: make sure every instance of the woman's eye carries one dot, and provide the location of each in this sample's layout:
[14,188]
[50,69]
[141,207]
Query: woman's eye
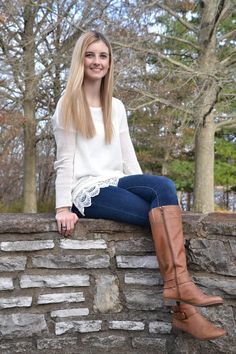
[92,55]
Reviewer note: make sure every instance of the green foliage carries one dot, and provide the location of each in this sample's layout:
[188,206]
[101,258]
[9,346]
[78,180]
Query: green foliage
[225,161]
[225,174]
[227,25]
[182,172]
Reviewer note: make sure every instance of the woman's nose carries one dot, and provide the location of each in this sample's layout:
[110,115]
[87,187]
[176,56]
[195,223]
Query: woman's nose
[96,59]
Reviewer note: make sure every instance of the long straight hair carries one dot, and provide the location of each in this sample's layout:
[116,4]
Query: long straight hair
[75,109]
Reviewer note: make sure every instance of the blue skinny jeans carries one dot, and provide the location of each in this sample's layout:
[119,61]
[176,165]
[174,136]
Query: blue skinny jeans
[132,199]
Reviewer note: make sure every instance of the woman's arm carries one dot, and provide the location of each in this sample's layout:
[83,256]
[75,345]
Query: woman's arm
[130,162]
[64,166]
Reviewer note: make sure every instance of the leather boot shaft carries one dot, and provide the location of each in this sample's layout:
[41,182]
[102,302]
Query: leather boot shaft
[167,232]
[166,223]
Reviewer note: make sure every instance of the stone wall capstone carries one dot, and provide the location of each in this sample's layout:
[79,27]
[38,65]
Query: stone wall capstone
[100,291]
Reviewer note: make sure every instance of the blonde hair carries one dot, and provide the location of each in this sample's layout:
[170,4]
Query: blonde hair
[75,109]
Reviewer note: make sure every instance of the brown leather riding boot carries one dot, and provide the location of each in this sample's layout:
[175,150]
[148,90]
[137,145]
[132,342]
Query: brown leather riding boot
[188,319]
[166,226]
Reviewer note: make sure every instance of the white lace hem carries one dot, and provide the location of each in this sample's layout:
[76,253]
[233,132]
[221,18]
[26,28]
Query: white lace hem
[83,198]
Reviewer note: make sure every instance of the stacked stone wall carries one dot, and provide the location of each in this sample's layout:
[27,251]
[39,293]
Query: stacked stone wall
[100,291]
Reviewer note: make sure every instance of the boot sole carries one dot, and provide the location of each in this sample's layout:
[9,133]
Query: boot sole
[172,302]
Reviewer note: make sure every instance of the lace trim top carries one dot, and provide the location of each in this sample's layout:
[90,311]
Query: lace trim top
[83,198]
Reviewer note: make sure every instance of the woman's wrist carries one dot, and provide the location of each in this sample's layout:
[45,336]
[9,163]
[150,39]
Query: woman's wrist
[60,210]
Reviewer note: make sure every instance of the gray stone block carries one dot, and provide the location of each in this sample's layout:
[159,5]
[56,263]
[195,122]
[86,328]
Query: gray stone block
[14,246]
[6,284]
[27,223]
[220,224]
[159,344]
[72,312]
[83,244]
[77,326]
[212,284]
[192,224]
[11,264]
[160,327]
[60,297]
[19,347]
[53,281]
[20,301]
[56,343]
[22,325]
[149,262]
[71,261]
[104,341]
[144,279]
[143,299]
[106,297]
[212,256]
[142,244]
[127,325]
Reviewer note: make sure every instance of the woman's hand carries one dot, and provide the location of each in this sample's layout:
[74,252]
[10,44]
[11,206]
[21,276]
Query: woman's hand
[66,221]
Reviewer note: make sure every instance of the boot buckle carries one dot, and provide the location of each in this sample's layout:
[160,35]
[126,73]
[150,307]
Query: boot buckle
[181,315]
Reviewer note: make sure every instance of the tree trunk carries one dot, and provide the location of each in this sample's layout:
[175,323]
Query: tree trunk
[204,167]
[209,88]
[165,162]
[30,200]
[28,44]
[188,201]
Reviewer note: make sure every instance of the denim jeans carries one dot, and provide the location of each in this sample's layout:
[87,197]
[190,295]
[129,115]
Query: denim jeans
[132,199]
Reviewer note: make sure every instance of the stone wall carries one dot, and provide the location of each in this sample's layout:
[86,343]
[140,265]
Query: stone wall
[101,291]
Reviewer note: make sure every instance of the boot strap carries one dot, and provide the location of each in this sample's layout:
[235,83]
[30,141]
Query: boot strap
[182,315]
[181,279]
[183,312]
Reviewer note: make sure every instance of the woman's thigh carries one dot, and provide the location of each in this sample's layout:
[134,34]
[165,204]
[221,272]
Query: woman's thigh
[156,190]
[118,204]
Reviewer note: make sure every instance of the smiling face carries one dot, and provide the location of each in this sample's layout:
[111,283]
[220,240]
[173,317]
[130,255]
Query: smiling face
[96,61]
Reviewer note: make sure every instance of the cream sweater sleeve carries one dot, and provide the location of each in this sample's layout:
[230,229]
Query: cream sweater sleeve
[66,144]
[130,162]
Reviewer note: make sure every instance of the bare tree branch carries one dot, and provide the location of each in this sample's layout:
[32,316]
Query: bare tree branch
[173,13]
[228,35]
[228,61]
[224,9]
[181,40]
[157,53]
[155,99]
[229,123]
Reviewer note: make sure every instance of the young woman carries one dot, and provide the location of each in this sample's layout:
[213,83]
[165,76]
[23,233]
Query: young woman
[98,176]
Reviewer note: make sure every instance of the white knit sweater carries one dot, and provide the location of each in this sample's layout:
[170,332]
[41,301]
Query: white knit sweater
[83,166]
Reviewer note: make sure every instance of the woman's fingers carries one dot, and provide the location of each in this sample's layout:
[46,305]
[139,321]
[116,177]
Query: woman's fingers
[66,221]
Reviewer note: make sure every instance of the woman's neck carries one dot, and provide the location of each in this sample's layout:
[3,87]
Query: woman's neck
[92,93]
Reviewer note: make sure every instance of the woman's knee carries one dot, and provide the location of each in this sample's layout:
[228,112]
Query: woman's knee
[168,194]
[169,184]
